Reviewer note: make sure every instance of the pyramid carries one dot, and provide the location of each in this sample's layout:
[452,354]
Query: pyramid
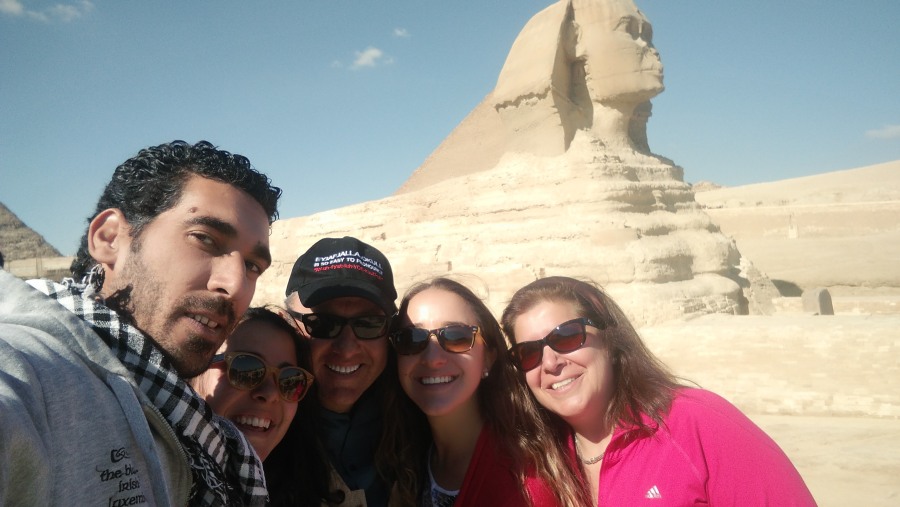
[551,174]
[18,241]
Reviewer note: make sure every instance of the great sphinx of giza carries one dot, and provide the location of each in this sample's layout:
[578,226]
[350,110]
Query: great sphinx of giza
[550,175]
[595,78]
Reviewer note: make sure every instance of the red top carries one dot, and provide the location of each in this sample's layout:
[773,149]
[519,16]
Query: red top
[490,480]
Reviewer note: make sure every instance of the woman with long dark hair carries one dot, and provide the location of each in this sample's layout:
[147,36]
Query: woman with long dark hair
[463,431]
[638,434]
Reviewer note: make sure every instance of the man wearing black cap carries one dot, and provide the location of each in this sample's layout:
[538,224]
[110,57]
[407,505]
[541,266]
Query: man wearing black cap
[342,292]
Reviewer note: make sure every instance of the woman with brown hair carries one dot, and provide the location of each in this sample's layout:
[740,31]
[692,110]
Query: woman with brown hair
[638,434]
[463,429]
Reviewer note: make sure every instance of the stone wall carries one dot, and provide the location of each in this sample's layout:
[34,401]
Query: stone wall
[53,268]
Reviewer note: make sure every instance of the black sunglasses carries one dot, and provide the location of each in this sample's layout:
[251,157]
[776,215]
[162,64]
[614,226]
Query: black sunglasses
[456,339]
[566,337]
[247,371]
[327,326]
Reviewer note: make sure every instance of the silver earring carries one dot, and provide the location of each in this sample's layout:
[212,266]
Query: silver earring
[485,374]
[95,278]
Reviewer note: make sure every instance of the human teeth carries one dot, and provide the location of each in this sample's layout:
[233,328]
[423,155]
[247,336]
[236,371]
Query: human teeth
[205,321]
[436,380]
[343,369]
[256,422]
[562,383]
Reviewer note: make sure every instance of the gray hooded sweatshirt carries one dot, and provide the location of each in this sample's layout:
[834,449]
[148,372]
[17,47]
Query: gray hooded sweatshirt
[74,427]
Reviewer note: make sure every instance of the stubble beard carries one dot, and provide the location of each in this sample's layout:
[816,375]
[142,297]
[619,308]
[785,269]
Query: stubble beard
[140,301]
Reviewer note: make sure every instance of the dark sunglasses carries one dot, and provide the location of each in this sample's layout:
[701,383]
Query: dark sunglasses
[566,337]
[456,339]
[247,371]
[326,326]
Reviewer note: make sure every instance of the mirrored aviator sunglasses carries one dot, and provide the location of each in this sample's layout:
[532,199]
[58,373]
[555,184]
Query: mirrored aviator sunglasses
[327,327]
[566,337]
[456,339]
[247,371]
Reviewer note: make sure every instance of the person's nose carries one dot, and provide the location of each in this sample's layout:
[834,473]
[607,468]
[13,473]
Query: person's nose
[229,277]
[434,354]
[267,391]
[552,361]
[345,342]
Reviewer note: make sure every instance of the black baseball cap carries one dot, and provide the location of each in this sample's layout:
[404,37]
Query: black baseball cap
[342,267]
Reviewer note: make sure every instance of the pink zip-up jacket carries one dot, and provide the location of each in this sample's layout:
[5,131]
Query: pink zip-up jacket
[706,453]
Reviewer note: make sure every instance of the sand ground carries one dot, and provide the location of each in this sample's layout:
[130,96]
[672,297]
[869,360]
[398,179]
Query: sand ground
[826,388]
[845,461]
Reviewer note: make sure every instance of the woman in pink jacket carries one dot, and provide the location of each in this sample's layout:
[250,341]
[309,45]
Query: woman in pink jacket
[640,437]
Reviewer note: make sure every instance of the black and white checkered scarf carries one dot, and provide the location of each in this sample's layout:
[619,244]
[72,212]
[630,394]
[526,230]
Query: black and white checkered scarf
[225,469]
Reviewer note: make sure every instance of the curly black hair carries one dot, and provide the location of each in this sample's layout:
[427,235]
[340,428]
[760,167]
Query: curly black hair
[152,182]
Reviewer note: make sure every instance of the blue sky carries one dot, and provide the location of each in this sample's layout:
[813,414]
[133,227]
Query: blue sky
[339,101]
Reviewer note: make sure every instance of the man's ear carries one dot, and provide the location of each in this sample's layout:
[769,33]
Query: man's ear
[109,238]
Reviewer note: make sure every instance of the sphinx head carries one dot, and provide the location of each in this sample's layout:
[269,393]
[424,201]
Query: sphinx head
[614,41]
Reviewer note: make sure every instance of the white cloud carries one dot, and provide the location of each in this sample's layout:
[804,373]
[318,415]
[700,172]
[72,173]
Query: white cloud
[68,13]
[401,33]
[11,7]
[886,132]
[59,12]
[368,57]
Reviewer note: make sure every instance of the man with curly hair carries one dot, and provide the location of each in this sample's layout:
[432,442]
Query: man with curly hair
[94,408]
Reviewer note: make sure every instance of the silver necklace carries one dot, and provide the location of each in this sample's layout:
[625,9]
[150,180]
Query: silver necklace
[589,461]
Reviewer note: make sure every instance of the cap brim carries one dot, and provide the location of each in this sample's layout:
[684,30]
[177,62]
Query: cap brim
[317,293]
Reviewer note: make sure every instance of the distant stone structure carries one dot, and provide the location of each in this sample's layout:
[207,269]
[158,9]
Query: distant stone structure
[818,302]
[26,253]
[18,241]
[551,175]
[838,230]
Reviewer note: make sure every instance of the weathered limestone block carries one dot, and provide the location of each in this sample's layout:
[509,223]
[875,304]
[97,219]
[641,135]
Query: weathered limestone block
[817,301]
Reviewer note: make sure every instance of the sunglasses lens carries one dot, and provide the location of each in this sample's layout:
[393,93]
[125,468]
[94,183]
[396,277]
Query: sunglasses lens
[246,372]
[529,354]
[322,326]
[293,384]
[568,337]
[410,340]
[457,339]
[369,328]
